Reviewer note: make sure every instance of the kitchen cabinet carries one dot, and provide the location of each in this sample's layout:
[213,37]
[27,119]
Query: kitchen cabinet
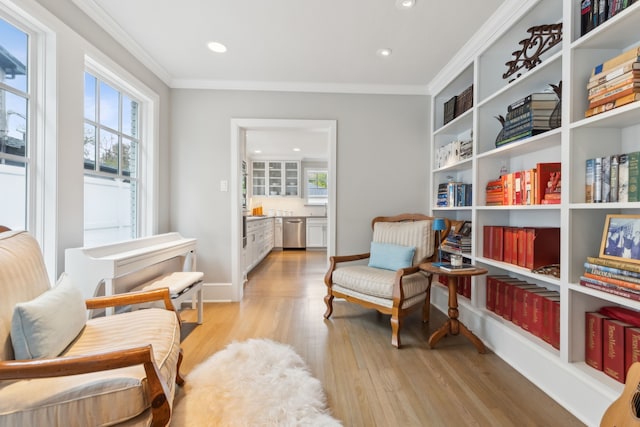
[275,178]
[563,372]
[260,241]
[316,232]
[277,233]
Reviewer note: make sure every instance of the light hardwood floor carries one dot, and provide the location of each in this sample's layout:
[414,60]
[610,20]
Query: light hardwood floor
[367,381]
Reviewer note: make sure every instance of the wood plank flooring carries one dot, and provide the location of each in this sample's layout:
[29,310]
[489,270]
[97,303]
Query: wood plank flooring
[367,381]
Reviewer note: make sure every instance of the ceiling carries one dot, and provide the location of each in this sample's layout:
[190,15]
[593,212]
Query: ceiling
[300,45]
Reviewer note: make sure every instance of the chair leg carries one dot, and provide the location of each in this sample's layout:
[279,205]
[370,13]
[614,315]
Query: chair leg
[426,309]
[179,379]
[328,300]
[396,324]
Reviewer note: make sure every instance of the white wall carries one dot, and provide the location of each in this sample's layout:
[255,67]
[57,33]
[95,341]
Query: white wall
[382,149]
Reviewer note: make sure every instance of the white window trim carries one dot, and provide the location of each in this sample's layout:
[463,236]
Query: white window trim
[42,129]
[106,70]
[315,201]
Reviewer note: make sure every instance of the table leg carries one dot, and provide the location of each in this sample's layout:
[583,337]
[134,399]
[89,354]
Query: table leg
[453,326]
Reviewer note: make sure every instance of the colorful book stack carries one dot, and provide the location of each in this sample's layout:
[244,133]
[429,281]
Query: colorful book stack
[538,186]
[614,83]
[457,243]
[612,276]
[452,194]
[612,178]
[527,247]
[533,308]
[527,117]
[596,12]
[612,340]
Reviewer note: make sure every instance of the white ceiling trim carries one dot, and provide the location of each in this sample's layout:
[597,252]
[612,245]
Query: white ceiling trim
[300,87]
[103,19]
[503,18]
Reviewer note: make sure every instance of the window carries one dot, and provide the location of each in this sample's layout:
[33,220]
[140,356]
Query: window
[111,163]
[15,153]
[316,186]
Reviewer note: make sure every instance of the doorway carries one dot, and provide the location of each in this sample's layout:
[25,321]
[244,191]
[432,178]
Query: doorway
[239,128]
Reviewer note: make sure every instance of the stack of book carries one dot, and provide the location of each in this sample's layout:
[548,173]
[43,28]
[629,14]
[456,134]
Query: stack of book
[612,340]
[458,104]
[453,152]
[538,186]
[533,308]
[452,194]
[613,178]
[527,247]
[614,83]
[596,12]
[527,117]
[457,242]
[612,276]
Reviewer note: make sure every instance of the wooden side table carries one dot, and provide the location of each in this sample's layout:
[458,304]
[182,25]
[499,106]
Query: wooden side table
[453,326]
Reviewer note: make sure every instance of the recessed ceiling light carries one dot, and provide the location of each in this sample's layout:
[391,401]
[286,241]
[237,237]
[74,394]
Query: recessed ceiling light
[217,47]
[384,52]
[405,4]
[258,151]
[296,149]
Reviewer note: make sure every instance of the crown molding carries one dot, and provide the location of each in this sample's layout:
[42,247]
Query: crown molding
[503,18]
[370,89]
[104,20]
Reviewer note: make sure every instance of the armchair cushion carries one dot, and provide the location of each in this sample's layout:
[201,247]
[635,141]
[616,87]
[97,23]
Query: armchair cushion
[391,257]
[417,234]
[46,325]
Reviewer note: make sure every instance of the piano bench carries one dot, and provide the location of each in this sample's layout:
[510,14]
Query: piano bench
[181,284]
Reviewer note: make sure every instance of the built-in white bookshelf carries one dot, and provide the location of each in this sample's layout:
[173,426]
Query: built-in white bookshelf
[562,373]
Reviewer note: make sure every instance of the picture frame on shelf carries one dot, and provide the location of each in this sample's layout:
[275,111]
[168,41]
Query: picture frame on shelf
[621,238]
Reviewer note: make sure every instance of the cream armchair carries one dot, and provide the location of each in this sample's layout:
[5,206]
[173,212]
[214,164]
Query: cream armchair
[59,369]
[391,282]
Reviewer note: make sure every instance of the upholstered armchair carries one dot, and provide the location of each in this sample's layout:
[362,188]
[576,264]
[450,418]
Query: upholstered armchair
[58,368]
[391,282]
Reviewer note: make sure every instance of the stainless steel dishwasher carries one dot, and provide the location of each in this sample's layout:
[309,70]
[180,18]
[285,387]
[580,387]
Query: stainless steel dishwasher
[294,233]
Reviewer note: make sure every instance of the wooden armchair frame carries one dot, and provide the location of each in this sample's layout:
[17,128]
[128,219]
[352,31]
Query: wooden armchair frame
[396,311]
[73,365]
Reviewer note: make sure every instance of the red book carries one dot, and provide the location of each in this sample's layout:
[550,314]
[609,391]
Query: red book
[537,313]
[507,250]
[551,321]
[518,178]
[543,174]
[487,234]
[501,290]
[518,298]
[522,253]
[631,347]
[613,353]
[497,248]
[510,307]
[492,289]
[526,310]
[466,280]
[543,246]
[593,340]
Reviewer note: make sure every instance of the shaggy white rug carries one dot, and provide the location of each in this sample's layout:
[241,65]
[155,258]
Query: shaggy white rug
[254,383]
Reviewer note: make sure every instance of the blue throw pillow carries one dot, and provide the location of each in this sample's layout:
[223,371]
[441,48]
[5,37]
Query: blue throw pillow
[390,256]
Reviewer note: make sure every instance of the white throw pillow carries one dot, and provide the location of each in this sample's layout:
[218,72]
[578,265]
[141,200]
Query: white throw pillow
[46,325]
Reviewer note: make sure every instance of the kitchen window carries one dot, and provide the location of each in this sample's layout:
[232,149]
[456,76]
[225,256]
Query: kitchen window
[316,188]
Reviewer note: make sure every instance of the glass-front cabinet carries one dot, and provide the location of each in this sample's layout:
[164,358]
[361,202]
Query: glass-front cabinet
[275,178]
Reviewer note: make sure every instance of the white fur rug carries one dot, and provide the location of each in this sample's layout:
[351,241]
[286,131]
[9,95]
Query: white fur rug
[253,383]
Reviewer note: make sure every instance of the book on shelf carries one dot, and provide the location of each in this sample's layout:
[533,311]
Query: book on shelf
[613,179]
[519,136]
[594,90]
[593,268]
[613,352]
[597,180]
[537,310]
[618,102]
[610,289]
[605,178]
[614,263]
[633,65]
[533,97]
[622,283]
[633,189]
[593,340]
[551,321]
[631,346]
[610,96]
[616,61]
[450,110]
[590,165]
[623,178]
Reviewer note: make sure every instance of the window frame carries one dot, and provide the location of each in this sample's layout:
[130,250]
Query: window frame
[107,71]
[315,200]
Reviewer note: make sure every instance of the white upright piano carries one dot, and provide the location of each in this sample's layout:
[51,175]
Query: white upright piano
[132,261]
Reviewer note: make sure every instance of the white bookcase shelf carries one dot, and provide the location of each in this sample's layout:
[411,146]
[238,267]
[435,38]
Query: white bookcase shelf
[562,373]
